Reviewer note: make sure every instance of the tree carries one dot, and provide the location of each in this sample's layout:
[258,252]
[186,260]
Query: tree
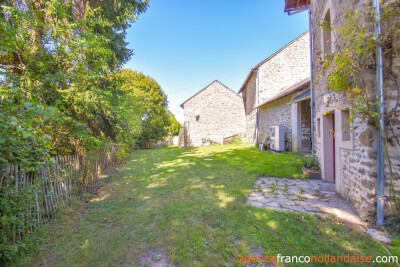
[153,102]
[56,59]
[174,125]
[58,90]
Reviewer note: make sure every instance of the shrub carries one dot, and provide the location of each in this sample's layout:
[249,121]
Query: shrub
[310,163]
[123,152]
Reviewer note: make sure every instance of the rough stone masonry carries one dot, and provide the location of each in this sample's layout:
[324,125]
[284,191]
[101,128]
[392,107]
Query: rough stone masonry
[214,113]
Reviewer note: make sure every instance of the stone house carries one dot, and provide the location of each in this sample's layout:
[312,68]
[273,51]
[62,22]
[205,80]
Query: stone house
[213,114]
[347,151]
[269,90]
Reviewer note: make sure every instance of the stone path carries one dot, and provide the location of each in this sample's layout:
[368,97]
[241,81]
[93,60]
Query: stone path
[315,197]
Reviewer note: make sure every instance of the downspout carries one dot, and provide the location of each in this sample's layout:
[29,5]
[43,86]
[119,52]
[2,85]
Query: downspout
[312,103]
[380,185]
[257,102]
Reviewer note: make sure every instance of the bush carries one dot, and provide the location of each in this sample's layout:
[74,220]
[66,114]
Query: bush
[123,152]
[13,207]
[310,163]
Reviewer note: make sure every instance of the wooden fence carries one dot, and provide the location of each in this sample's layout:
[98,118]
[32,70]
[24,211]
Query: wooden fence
[33,197]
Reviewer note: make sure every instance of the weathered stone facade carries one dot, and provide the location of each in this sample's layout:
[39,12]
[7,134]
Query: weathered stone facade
[277,113]
[214,113]
[290,109]
[306,127]
[348,157]
[250,102]
[286,67]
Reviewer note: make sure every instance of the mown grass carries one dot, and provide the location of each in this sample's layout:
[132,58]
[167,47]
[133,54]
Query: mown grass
[172,199]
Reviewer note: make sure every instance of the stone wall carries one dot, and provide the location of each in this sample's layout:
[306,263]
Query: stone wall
[213,114]
[306,127]
[289,66]
[274,114]
[250,103]
[355,153]
[279,113]
[283,69]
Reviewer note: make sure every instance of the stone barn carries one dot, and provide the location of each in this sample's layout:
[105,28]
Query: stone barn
[269,93]
[213,114]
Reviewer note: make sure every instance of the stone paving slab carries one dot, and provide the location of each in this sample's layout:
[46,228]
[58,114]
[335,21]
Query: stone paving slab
[314,197]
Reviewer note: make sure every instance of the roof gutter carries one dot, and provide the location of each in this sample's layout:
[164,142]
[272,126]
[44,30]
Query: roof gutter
[312,100]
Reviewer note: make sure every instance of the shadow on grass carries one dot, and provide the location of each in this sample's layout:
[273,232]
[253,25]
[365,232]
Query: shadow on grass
[172,199]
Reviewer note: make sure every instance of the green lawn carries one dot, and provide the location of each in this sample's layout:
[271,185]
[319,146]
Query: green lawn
[173,200]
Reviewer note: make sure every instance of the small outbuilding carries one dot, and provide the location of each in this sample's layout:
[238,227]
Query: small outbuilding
[212,115]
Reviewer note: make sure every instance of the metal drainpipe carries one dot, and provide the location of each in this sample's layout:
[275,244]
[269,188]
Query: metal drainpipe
[312,104]
[257,102]
[380,185]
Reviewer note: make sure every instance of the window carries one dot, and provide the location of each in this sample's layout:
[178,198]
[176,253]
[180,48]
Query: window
[345,125]
[318,127]
[326,34]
